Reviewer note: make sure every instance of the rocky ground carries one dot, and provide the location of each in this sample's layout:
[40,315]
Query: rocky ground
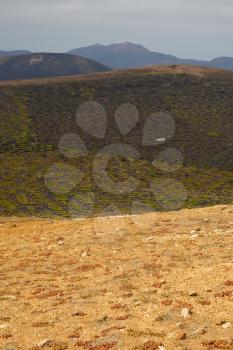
[154,281]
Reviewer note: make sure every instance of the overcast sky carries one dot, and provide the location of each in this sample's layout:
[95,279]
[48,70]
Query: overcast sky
[186,28]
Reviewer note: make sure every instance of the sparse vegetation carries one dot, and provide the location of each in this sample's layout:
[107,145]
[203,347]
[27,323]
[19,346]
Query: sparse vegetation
[35,114]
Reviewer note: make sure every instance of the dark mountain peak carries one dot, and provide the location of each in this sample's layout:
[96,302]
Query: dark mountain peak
[222,59]
[131,55]
[119,55]
[94,46]
[222,62]
[38,65]
[128,46]
[124,46]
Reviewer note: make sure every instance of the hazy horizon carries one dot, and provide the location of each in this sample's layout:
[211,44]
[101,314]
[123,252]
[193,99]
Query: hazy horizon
[200,30]
[110,43]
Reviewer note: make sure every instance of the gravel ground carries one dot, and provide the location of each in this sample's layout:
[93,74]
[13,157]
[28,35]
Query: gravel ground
[153,281]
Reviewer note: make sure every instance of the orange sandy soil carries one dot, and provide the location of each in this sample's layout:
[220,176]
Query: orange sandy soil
[154,281]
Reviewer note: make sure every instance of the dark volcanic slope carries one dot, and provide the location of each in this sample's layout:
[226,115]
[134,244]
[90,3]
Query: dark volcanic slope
[200,100]
[36,114]
[46,65]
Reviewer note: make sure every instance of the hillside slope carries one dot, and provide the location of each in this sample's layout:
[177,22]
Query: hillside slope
[46,65]
[37,114]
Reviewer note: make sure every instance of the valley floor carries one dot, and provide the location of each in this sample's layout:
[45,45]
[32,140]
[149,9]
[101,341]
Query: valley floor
[153,281]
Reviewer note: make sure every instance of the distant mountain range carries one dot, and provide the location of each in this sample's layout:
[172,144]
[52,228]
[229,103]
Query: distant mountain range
[23,64]
[40,65]
[13,53]
[129,55]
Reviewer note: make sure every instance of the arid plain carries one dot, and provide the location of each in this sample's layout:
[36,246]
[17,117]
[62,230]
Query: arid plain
[152,281]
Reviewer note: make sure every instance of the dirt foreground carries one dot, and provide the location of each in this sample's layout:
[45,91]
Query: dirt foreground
[154,281]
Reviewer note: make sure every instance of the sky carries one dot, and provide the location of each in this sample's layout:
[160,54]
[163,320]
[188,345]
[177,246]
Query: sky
[201,29]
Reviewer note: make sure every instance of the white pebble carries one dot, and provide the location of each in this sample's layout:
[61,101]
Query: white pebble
[194,236]
[226,325]
[185,312]
[193,232]
[45,342]
[149,238]
[2,326]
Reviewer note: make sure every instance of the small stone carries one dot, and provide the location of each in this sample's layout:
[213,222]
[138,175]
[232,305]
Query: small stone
[221,322]
[159,284]
[198,331]
[45,342]
[151,345]
[193,294]
[228,283]
[180,335]
[78,313]
[203,301]
[150,238]
[86,252]
[186,312]
[166,302]
[226,325]
[179,324]
[8,297]
[203,331]
[224,207]
[103,319]
[6,335]
[3,326]
[164,317]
